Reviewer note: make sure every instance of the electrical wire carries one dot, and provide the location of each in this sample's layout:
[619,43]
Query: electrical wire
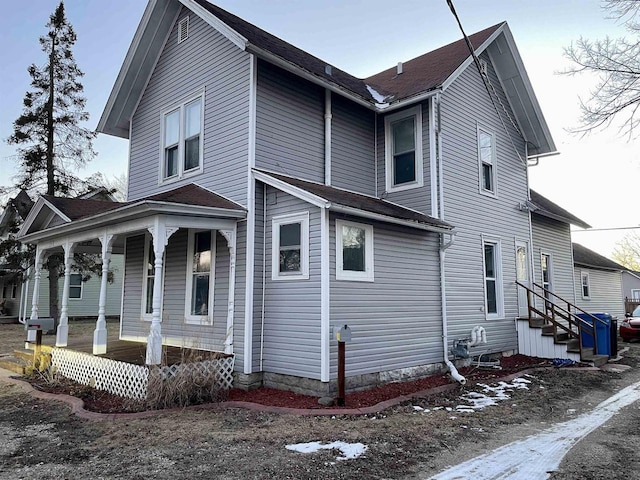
[491,90]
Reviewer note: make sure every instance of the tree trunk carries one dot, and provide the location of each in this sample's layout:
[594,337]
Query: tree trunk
[54,276]
[50,126]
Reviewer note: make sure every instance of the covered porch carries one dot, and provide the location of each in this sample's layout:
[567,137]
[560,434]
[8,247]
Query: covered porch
[185,227]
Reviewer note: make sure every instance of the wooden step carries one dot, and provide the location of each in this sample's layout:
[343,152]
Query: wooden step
[573,346]
[12,364]
[536,322]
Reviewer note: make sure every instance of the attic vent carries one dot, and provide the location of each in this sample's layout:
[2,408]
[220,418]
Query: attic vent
[183,29]
[399,69]
[327,69]
[483,67]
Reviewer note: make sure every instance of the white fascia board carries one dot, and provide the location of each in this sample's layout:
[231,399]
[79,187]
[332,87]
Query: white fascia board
[121,214]
[356,212]
[291,190]
[231,35]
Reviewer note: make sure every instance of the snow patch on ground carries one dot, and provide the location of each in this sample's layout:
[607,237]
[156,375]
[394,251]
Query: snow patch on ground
[491,394]
[349,450]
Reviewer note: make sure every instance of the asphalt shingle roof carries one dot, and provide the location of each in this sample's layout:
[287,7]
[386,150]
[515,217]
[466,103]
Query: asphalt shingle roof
[588,258]
[547,208]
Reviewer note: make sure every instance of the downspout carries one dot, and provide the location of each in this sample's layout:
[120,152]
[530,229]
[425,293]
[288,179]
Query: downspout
[443,247]
[327,137]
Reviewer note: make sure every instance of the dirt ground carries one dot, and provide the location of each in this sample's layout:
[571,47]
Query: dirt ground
[43,440]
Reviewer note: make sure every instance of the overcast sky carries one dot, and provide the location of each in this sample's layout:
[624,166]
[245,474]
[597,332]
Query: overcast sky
[594,177]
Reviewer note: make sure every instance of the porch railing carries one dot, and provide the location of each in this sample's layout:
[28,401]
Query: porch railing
[561,318]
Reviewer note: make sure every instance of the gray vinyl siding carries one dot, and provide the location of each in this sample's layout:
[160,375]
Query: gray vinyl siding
[132,324]
[352,146]
[554,238]
[396,320]
[205,60]
[87,306]
[605,292]
[292,307]
[465,105]
[416,198]
[259,274]
[289,124]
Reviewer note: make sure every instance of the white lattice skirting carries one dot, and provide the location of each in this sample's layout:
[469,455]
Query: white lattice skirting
[128,380]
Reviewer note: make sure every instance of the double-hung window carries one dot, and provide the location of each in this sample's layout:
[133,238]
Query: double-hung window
[182,139]
[200,277]
[403,150]
[75,286]
[586,285]
[354,251]
[290,247]
[492,279]
[487,161]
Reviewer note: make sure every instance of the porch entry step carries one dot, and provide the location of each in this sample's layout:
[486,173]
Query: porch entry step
[12,364]
[597,360]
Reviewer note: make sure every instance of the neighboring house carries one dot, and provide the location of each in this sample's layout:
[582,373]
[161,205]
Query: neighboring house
[274,199]
[83,295]
[598,282]
[552,251]
[631,285]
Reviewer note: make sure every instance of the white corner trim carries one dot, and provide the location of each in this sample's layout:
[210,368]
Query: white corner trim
[233,36]
[325,299]
[433,161]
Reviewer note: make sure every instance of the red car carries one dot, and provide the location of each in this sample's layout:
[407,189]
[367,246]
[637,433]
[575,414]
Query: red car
[630,326]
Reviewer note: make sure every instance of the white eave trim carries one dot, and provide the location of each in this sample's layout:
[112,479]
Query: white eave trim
[233,36]
[356,212]
[291,190]
[121,214]
[35,211]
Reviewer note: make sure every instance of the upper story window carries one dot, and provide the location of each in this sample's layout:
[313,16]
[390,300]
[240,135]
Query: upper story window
[487,161]
[403,150]
[354,251]
[182,139]
[290,247]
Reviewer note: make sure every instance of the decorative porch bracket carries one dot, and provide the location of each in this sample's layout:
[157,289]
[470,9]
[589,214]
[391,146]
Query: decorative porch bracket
[231,236]
[160,233]
[100,333]
[39,260]
[62,335]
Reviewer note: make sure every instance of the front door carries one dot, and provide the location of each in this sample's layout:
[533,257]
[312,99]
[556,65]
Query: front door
[522,275]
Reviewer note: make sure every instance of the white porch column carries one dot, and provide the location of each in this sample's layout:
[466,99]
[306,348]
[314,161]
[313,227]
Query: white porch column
[100,333]
[63,327]
[37,271]
[160,233]
[231,236]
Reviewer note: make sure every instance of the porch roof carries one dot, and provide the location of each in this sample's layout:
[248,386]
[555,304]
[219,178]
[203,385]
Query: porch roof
[79,214]
[357,204]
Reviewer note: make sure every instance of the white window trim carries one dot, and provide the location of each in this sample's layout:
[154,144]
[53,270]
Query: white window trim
[584,275]
[188,317]
[368,274]
[388,120]
[147,317]
[81,288]
[494,164]
[498,278]
[162,180]
[303,219]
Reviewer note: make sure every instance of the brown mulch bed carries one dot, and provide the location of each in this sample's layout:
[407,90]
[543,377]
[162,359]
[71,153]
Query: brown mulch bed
[103,402]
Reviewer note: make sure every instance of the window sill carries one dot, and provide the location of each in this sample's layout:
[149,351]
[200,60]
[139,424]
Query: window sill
[349,278]
[203,320]
[285,278]
[488,193]
[404,187]
[177,178]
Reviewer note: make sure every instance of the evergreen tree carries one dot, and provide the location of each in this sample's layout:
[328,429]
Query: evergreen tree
[52,144]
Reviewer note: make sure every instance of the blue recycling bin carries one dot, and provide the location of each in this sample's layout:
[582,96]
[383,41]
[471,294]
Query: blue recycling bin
[603,332]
